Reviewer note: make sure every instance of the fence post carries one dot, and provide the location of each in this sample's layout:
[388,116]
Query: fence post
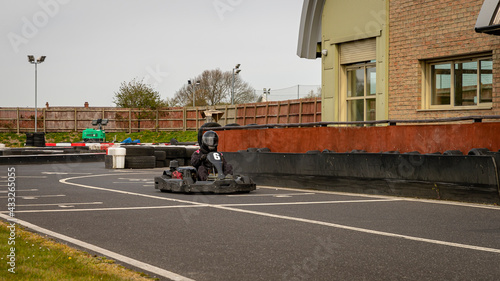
[225,115]
[244,114]
[235,108]
[130,120]
[300,111]
[278,113]
[157,121]
[315,108]
[18,121]
[76,119]
[184,119]
[44,120]
[197,123]
[255,114]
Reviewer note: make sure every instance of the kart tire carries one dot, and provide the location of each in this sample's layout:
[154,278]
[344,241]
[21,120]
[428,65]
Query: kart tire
[140,162]
[180,161]
[190,151]
[160,155]
[479,151]
[232,125]
[139,150]
[453,152]
[172,151]
[108,162]
[160,164]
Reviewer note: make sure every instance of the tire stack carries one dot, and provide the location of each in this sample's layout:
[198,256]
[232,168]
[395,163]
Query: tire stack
[140,157]
[165,154]
[30,139]
[39,139]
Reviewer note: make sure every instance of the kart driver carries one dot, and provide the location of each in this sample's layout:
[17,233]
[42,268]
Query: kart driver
[199,160]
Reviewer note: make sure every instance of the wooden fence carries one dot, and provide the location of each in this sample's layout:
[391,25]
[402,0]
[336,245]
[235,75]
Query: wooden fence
[67,119]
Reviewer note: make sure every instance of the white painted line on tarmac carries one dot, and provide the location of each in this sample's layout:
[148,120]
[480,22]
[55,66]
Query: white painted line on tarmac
[363,230]
[110,209]
[26,177]
[334,225]
[430,201]
[271,195]
[133,262]
[132,182]
[36,196]
[64,173]
[65,181]
[20,190]
[57,204]
[306,203]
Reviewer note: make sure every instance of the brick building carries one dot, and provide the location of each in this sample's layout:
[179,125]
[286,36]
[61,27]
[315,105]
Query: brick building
[401,59]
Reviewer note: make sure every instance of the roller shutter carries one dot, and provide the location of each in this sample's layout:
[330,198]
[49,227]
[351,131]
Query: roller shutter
[358,51]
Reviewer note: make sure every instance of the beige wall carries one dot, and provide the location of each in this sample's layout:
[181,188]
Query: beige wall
[345,21]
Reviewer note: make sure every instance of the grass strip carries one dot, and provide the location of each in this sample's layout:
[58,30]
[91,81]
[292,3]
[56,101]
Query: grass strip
[41,258]
[18,140]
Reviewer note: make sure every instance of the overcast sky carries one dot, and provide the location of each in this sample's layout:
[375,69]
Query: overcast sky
[92,46]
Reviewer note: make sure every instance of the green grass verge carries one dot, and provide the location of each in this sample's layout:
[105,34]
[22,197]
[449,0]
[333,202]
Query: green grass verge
[41,258]
[18,140]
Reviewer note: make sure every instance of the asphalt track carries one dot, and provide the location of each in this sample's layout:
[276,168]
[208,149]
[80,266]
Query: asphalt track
[269,234]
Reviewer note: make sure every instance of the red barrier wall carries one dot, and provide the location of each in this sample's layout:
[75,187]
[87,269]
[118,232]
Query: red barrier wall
[402,138]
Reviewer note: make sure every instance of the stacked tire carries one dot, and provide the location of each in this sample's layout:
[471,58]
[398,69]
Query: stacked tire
[168,153]
[140,157]
[30,139]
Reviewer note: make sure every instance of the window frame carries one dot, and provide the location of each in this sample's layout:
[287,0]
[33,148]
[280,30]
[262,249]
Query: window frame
[428,77]
[365,66]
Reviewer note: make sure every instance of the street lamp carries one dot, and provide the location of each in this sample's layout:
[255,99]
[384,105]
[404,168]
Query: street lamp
[236,70]
[31,60]
[197,83]
[267,92]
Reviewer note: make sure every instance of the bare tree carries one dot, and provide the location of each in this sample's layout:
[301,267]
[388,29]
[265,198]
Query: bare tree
[214,87]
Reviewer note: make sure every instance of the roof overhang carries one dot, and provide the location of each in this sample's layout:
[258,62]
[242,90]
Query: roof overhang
[310,28]
[488,20]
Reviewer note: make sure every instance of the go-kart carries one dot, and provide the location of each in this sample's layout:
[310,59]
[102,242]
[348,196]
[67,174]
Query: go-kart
[184,179]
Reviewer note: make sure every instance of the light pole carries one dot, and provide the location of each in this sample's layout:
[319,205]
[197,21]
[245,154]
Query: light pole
[31,59]
[197,83]
[236,70]
[267,92]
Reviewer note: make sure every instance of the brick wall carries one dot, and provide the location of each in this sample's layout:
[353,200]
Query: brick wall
[427,29]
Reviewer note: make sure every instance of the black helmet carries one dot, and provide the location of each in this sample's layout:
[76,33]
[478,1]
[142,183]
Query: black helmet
[209,141]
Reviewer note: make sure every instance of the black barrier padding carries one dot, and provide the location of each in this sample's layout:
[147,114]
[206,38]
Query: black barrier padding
[464,178]
[52,159]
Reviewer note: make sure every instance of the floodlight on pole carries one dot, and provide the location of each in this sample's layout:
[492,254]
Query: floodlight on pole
[266,92]
[197,83]
[236,70]
[31,59]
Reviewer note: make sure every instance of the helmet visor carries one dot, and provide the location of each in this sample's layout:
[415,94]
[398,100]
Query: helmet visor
[210,139]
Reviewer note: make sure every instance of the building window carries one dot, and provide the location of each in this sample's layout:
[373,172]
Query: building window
[361,92]
[460,83]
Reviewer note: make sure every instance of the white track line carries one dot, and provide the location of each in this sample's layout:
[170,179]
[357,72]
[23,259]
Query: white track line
[306,203]
[19,190]
[56,204]
[102,251]
[271,195]
[111,209]
[27,197]
[430,201]
[363,230]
